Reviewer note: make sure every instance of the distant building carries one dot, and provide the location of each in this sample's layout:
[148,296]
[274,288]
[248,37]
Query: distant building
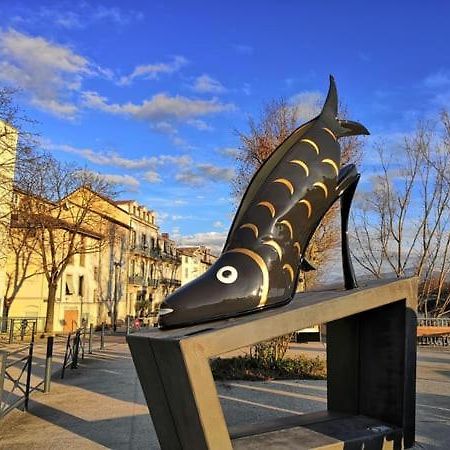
[195,261]
[153,262]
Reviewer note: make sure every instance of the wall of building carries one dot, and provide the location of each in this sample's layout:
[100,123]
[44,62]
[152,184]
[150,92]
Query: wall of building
[8,143]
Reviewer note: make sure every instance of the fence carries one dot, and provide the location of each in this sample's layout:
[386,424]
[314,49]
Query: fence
[74,343]
[433,331]
[23,359]
[19,329]
[433,322]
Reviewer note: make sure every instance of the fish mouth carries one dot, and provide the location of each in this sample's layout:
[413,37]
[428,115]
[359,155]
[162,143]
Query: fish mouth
[164,311]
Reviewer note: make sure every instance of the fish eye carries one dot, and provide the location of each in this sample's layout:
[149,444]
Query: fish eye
[227,274]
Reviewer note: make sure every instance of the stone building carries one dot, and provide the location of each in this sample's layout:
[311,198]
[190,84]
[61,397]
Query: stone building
[195,261]
[153,261]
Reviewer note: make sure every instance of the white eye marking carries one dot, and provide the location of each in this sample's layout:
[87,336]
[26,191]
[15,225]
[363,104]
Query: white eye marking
[227,274]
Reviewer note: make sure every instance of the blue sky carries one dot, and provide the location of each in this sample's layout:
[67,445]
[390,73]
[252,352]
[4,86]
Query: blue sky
[150,93]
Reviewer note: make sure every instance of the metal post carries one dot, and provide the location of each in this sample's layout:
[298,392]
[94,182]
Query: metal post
[65,357]
[48,364]
[91,330]
[23,328]
[102,337]
[75,350]
[11,332]
[30,363]
[83,342]
[3,359]
[128,325]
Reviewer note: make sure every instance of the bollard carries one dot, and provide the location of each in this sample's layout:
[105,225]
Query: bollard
[91,330]
[83,342]
[11,332]
[30,362]
[48,364]
[102,337]
[128,325]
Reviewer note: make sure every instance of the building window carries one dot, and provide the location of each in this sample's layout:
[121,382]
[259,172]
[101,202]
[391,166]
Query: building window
[69,285]
[81,285]
[186,272]
[133,239]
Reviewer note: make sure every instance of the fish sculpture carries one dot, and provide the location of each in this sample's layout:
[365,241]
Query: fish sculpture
[282,207]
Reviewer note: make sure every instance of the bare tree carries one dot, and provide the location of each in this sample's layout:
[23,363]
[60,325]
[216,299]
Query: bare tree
[402,221]
[62,204]
[277,121]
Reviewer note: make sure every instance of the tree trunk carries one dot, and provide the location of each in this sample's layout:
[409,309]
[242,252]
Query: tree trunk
[52,287]
[5,314]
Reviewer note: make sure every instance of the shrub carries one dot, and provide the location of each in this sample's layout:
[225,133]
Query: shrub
[249,368]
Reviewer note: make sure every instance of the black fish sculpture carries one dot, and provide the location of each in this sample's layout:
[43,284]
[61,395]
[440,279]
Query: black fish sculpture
[282,207]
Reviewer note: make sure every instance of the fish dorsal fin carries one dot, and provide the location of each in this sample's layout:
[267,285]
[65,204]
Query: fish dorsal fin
[330,108]
[263,173]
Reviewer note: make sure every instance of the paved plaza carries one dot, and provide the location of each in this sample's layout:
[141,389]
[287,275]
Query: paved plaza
[101,405]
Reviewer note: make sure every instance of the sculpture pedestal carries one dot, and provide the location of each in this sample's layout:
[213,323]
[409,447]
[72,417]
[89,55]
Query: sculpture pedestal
[371,360]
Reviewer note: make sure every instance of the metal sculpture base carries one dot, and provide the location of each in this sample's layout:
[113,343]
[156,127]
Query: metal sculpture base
[371,360]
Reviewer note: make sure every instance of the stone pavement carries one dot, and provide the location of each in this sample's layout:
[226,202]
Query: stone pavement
[101,405]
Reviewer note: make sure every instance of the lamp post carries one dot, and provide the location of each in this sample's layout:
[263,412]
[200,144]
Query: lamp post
[117,266]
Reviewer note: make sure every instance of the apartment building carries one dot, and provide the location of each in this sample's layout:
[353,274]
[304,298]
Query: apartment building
[91,287]
[8,142]
[122,266]
[195,261]
[153,262]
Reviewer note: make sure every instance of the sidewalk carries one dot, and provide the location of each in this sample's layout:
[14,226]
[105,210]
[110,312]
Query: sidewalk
[101,405]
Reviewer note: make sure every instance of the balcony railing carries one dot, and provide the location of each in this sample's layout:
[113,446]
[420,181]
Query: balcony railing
[144,250]
[170,282]
[169,257]
[136,279]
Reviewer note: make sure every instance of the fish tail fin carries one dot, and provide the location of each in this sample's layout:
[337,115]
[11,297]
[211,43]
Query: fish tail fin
[330,111]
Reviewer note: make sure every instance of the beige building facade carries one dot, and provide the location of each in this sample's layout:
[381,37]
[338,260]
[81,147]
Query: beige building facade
[195,261]
[8,143]
[153,262]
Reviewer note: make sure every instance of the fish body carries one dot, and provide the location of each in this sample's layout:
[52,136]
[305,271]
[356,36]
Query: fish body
[282,207]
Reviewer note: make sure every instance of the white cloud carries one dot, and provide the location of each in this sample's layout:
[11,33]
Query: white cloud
[80,16]
[121,180]
[232,152]
[215,240]
[308,104]
[200,125]
[152,177]
[218,224]
[208,85]
[437,80]
[161,107]
[152,71]
[51,73]
[115,160]
[202,173]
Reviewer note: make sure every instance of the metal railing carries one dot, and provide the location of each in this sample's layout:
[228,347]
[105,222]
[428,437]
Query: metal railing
[433,331]
[441,340]
[23,358]
[75,343]
[18,329]
[433,322]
